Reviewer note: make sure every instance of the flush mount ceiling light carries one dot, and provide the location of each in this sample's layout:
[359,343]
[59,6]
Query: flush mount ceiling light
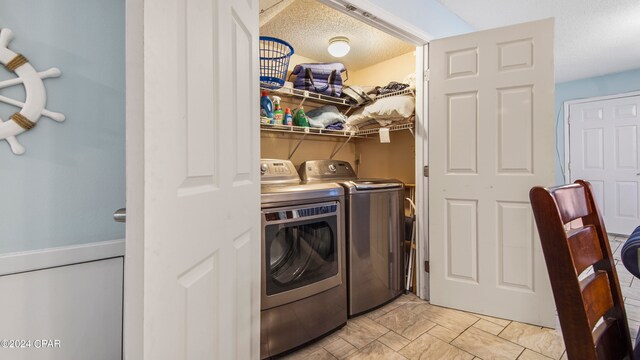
[339,46]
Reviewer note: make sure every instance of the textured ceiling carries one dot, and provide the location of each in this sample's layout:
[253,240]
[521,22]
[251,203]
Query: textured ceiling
[271,8]
[592,37]
[308,25]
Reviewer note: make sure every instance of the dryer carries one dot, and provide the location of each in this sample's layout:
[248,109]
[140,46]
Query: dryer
[303,259]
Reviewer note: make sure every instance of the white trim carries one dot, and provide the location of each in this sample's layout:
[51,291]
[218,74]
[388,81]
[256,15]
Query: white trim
[133,308]
[18,262]
[381,19]
[567,158]
[604,97]
[422,182]
[567,105]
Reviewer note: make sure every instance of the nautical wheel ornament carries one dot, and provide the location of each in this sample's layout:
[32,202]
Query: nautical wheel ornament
[36,96]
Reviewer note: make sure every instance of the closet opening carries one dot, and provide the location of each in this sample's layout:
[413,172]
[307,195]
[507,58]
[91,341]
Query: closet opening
[376,136]
[341,114]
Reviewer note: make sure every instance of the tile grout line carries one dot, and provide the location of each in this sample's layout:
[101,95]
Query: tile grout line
[397,352]
[409,343]
[475,356]
[528,347]
[462,332]
[507,340]
[501,331]
[357,348]
[493,322]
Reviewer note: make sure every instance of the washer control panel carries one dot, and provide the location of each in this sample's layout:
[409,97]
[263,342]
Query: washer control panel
[326,170]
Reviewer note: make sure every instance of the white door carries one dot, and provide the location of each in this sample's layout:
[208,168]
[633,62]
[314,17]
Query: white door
[603,143]
[491,138]
[193,197]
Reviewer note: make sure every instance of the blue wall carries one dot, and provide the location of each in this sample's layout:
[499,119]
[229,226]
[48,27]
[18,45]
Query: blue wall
[63,190]
[428,15]
[585,88]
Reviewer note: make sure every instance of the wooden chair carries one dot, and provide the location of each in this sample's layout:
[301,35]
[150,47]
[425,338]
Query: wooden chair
[591,310]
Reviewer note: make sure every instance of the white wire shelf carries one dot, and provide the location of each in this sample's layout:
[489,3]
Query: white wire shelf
[405,126]
[307,130]
[309,95]
[325,99]
[339,133]
[397,93]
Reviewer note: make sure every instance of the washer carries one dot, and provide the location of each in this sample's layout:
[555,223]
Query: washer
[375,233]
[304,294]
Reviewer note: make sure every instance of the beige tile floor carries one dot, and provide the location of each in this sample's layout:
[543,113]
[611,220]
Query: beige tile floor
[410,328]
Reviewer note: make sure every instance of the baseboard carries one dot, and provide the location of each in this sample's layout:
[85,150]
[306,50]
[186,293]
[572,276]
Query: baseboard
[18,262]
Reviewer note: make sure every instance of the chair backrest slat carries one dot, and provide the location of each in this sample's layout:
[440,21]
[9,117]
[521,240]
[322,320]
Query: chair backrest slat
[597,296]
[609,340]
[591,310]
[572,202]
[585,248]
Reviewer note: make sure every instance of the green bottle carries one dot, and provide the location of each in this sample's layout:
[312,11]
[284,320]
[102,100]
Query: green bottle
[299,117]
[278,114]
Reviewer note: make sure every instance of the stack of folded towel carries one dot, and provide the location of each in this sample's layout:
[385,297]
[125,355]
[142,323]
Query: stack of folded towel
[326,117]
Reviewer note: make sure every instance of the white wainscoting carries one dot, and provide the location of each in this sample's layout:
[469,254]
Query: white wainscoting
[70,296]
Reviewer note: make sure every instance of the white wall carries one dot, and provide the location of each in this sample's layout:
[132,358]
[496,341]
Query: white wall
[74,300]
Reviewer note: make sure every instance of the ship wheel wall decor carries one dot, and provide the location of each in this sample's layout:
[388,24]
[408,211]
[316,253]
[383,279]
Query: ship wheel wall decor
[35,99]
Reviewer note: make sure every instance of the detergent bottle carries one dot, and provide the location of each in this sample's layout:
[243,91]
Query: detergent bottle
[278,114]
[288,118]
[266,108]
[300,118]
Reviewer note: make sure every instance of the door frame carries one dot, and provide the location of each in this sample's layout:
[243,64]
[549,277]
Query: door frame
[393,25]
[133,296]
[566,106]
[133,326]
[381,19]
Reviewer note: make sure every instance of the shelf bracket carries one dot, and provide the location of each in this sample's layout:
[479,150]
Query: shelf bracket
[341,146]
[348,110]
[297,145]
[301,102]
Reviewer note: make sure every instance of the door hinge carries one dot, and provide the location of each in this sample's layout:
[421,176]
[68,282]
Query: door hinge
[426,266]
[350,7]
[427,75]
[425,171]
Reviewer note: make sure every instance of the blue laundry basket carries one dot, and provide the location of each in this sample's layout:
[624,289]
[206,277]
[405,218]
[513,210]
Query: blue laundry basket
[274,62]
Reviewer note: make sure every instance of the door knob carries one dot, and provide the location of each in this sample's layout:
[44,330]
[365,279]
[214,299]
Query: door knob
[120,215]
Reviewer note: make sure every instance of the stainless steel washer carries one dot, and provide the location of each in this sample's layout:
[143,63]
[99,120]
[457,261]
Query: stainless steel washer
[303,277]
[375,233]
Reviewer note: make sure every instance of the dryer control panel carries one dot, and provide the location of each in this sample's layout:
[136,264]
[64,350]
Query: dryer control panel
[278,171]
